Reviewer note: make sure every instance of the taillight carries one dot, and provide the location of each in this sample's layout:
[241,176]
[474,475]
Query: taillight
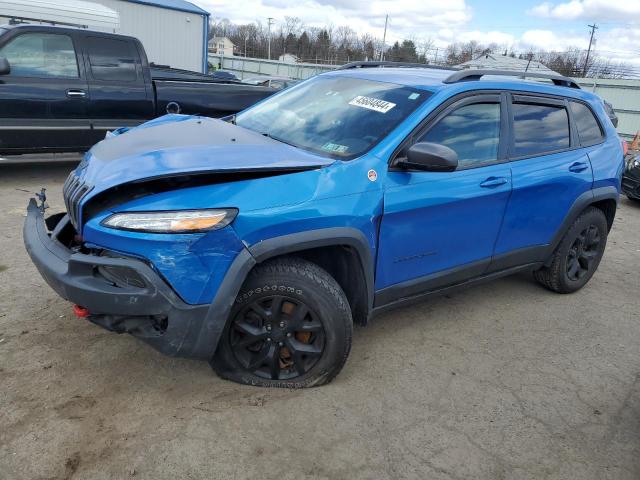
[625,148]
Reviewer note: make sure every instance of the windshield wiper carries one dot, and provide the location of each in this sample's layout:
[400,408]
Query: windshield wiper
[268,135]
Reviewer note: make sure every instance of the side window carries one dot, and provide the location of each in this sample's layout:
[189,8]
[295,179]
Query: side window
[111,59]
[539,129]
[45,55]
[472,131]
[588,127]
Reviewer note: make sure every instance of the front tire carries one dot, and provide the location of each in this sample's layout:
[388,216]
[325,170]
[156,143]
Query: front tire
[290,327]
[578,255]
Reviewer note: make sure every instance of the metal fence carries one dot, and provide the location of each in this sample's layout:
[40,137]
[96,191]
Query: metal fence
[624,95]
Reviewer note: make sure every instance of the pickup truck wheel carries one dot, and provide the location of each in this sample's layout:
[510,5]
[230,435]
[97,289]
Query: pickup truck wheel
[578,255]
[290,327]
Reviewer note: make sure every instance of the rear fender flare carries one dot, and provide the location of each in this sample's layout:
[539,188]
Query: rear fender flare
[582,202]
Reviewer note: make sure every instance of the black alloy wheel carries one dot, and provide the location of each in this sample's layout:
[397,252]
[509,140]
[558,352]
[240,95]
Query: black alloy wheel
[584,250]
[277,337]
[577,256]
[290,327]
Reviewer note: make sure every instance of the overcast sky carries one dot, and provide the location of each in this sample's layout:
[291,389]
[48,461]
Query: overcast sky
[551,25]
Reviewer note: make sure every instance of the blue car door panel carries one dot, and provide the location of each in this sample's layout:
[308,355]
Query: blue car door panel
[436,221]
[549,171]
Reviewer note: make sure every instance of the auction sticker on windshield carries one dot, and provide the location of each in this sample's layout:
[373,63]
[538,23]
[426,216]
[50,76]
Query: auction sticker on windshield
[372,104]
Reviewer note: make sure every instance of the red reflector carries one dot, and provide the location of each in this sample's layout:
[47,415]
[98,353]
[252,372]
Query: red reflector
[80,312]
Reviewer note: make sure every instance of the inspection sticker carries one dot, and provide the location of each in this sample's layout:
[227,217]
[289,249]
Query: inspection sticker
[372,104]
[334,147]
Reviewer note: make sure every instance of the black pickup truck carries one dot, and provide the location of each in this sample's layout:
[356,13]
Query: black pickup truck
[62,89]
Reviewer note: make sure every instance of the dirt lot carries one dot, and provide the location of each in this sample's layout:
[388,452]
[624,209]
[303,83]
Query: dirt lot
[503,381]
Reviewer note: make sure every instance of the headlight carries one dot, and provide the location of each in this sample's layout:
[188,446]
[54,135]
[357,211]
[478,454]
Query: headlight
[180,221]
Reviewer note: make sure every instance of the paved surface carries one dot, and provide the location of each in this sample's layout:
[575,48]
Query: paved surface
[503,381]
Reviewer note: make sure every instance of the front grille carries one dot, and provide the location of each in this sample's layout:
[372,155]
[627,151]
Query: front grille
[74,191]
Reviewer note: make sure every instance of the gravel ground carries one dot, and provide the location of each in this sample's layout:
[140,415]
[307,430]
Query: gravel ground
[502,381]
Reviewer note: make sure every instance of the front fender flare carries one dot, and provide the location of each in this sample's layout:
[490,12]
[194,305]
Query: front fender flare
[218,313]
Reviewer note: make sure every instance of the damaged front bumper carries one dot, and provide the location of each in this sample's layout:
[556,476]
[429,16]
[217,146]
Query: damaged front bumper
[121,294]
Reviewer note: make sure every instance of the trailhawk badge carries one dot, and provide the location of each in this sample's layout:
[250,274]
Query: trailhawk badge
[372,175]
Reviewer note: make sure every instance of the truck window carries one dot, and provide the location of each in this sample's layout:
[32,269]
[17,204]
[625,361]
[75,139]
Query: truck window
[41,55]
[112,59]
[539,129]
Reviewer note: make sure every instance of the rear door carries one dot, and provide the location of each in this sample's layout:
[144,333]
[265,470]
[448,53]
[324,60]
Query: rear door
[550,171]
[43,100]
[118,88]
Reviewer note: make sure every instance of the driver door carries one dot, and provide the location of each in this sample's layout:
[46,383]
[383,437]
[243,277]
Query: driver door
[440,228]
[44,97]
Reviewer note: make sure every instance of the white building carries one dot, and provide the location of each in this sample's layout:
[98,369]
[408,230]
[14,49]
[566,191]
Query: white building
[288,58]
[173,32]
[504,62]
[221,46]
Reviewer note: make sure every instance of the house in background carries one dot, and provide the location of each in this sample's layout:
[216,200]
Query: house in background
[288,58]
[221,46]
[504,62]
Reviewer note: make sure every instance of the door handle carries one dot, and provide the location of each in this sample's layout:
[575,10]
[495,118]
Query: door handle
[73,93]
[493,182]
[578,167]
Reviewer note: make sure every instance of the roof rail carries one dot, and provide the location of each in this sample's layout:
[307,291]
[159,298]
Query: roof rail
[383,64]
[473,74]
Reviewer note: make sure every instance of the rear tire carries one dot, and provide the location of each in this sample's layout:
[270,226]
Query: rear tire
[290,327]
[578,255]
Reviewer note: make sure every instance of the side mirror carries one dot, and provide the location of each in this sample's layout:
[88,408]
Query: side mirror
[431,157]
[5,68]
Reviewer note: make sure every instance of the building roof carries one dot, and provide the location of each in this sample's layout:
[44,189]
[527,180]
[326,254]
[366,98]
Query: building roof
[180,5]
[224,39]
[504,62]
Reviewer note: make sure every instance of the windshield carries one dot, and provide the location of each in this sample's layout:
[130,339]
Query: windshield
[339,117]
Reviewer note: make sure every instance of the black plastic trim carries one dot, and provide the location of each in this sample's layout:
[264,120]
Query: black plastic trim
[205,339]
[410,300]
[421,285]
[581,203]
[519,257]
[325,237]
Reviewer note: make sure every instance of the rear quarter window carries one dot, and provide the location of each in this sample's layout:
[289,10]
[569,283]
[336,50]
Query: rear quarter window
[589,130]
[539,129]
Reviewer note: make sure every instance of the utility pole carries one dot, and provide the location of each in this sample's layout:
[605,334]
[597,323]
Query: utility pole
[593,27]
[384,37]
[270,22]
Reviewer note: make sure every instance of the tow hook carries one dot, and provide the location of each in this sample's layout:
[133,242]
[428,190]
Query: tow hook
[80,312]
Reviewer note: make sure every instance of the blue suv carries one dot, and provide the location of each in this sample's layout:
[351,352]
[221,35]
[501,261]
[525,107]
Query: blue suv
[257,241]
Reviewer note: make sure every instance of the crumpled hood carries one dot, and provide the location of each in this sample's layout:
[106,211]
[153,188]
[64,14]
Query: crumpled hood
[179,144]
